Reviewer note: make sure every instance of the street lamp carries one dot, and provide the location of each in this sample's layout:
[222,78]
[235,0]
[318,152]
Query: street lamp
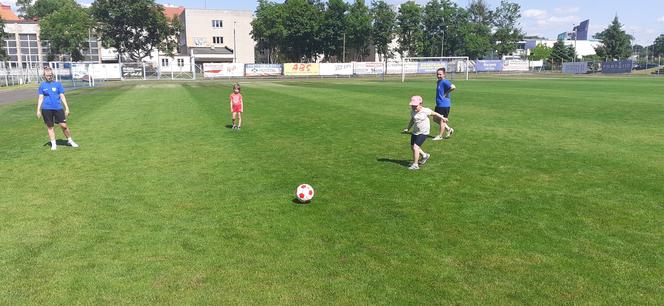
[234,43]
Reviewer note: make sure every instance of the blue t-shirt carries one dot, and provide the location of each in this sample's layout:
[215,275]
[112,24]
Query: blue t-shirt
[443,86]
[51,92]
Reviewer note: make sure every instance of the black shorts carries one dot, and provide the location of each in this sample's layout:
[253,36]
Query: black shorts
[445,111]
[418,139]
[52,116]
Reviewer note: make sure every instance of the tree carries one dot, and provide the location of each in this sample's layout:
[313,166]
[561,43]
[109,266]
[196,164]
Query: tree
[434,23]
[333,29]
[384,23]
[41,8]
[616,44]
[358,36]
[3,51]
[301,20]
[540,52]
[477,30]
[456,23]
[268,28]
[409,29]
[561,53]
[23,8]
[507,34]
[67,30]
[134,27]
[658,46]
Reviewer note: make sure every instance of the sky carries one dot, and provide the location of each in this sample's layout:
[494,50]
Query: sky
[643,19]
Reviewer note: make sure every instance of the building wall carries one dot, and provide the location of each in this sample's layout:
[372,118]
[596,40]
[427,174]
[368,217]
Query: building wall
[235,30]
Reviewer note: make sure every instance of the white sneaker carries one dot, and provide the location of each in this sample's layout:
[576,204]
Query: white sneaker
[414,167]
[54,147]
[72,144]
[438,138]
[449,133]
[424,159]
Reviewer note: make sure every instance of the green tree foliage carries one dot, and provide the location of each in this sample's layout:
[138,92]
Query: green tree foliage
[358,35]
[658,45]
[477,31]
[135,27]
[301,20]
[23,8]
[268,28]
[616,44]
[41,8]
[409,29]
[3,51]
[334,26]
[456,22]
[434,28]
[507,33]
[561,53]
[67,30]
[540,52]
[384,24]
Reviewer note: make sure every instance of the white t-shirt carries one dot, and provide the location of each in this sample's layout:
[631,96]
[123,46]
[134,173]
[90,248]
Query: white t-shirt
[421,120]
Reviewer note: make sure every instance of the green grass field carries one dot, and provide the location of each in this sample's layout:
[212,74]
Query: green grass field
[551,191]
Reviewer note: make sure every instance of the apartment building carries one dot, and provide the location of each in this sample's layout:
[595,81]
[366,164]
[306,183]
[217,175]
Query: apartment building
[218,36]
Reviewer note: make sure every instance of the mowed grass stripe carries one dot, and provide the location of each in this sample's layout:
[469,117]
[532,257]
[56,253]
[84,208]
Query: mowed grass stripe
[495,217]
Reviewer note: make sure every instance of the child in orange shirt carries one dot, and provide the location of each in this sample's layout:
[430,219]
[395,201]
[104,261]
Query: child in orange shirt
[236,106]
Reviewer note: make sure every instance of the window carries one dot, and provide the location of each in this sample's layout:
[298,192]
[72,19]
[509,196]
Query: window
[217,23]
[180,62]
[217,40]
[164,62]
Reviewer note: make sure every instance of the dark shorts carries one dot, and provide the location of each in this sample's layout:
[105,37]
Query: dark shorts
[445,111]
[418,139]
[52,116]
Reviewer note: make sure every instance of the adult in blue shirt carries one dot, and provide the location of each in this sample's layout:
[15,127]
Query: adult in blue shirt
[443,104]
[49,106]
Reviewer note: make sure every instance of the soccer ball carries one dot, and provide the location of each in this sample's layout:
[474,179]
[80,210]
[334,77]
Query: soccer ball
[304,193]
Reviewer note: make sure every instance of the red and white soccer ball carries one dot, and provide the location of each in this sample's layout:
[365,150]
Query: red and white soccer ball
[304,193]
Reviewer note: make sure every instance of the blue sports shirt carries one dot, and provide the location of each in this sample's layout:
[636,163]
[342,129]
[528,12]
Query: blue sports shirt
[51,92]
[443,86]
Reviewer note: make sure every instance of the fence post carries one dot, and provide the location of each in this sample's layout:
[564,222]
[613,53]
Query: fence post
[144,75]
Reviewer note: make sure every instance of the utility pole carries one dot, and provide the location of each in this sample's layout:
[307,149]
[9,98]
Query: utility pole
[344,49]
[234,43]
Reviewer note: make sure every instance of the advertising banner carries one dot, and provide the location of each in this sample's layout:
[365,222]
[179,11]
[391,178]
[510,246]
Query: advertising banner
[489,66]
[105,71]
[215,70]
[395,67]
[515,65]
[368,68]
[302,69]
[617,67]
[132,70]
[575,68]
[430,67]
[336,69]
[263,70]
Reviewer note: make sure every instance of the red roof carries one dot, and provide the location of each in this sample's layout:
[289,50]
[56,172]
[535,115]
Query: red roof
[7,14]
[171,12]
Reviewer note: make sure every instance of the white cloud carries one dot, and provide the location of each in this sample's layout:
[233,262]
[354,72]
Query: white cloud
[661,19]
[534,13]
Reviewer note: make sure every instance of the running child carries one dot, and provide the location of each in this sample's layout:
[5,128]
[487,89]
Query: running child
[419,117]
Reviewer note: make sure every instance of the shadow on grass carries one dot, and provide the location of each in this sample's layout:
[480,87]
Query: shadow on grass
[401,162]
[296,201]
[60,142]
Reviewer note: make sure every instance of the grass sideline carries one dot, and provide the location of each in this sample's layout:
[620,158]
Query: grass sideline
[549,192]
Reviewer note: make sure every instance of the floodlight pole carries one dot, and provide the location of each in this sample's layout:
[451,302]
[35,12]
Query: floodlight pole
[344,49]
[234,44]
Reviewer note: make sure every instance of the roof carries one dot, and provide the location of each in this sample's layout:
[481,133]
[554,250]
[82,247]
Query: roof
[208,50]
[171,12]
[7,14]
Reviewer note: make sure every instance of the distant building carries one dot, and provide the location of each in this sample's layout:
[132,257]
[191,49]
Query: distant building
[219,36]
